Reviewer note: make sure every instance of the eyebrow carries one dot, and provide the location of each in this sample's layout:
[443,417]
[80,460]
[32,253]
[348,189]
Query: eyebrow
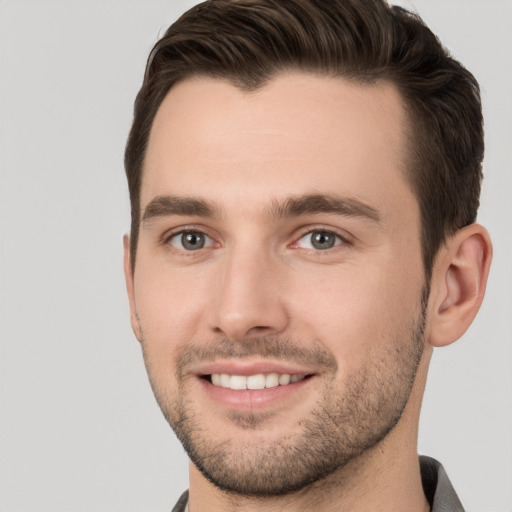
[323,203]
[164,206]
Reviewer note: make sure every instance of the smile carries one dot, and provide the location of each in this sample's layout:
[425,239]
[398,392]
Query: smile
[257,381]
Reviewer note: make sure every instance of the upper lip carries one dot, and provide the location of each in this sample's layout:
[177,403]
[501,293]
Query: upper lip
[247,368]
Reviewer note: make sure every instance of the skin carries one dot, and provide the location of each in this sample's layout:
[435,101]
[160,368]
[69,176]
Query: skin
[352,315]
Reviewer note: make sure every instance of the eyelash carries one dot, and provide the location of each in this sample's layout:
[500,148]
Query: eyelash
[168,237]
[344,238]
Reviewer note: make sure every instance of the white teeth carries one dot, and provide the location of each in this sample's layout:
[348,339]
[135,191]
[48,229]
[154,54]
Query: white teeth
[272,380]
[238,382]
[284,379]
[258,381]
[224,380]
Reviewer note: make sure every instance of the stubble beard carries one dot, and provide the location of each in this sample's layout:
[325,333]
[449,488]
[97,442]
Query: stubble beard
[342,426]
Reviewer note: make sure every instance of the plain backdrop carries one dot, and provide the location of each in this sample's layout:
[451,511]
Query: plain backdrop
[80,430]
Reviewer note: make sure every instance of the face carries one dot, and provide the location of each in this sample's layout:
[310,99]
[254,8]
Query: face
[277,292]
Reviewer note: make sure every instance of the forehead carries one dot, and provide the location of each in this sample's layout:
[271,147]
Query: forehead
[300,133]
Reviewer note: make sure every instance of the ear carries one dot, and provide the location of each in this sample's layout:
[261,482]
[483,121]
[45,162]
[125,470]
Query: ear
[458,285]
[129,278]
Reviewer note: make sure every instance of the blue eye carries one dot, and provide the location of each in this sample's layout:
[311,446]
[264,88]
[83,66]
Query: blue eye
[190,241]
[319,240]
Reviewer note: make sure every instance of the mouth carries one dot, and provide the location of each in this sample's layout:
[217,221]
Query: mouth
[254,382]
[251,385]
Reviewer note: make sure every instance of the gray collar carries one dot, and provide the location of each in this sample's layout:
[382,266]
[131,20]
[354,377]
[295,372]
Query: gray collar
[437,487]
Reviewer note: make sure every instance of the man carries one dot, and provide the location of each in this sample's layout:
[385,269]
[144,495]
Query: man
[304,179]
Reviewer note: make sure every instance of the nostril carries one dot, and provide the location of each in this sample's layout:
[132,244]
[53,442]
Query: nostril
[259,328]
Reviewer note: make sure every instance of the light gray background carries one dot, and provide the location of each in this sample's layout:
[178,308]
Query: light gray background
[80,430]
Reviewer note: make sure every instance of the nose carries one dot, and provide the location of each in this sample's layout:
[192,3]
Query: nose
[248,301]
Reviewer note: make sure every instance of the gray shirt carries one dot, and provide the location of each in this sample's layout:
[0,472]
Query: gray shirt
[436,485]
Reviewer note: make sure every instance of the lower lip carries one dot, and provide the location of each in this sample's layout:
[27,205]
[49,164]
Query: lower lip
[253,399]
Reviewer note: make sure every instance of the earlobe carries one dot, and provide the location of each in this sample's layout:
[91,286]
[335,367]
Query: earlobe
[460,279]
[129,278]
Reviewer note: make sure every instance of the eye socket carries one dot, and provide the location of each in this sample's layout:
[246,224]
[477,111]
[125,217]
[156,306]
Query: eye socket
[190,240]
[319,240]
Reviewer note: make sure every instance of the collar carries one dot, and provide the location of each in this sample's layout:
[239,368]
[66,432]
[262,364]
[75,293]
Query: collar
[437,487]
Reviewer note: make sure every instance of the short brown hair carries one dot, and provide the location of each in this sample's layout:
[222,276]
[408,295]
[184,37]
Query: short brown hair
[249,41]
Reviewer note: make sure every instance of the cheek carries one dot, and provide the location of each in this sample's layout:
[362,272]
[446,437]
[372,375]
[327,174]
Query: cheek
[169,304]
[355,312]
[169,310]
